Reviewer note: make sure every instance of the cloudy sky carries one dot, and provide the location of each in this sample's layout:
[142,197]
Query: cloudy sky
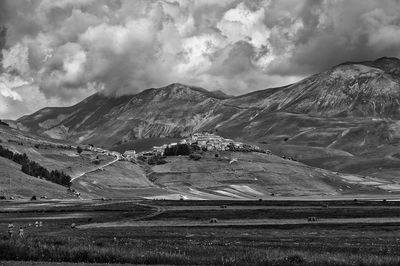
[57,52]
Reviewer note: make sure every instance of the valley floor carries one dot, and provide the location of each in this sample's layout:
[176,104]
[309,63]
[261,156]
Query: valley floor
[150,232]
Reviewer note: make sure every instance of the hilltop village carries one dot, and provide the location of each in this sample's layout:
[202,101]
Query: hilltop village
[202,141]
[192,146]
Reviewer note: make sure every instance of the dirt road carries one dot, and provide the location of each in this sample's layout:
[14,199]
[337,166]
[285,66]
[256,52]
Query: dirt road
[95,169]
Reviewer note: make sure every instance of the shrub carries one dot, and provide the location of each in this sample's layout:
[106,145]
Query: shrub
[142,158]
[156,160]
[194,147]
[79,150]
[195,156]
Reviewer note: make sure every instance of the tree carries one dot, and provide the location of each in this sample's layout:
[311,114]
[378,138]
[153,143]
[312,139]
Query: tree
[180,149]
[79,150]
[195,156]
[33,168]
[156,160]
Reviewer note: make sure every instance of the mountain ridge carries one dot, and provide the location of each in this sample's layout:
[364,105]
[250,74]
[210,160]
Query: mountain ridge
[343,120]
[342,90]
[362,90]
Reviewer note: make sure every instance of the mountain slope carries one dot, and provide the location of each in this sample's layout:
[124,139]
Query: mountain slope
[352,108]
[365,89]
[13,182]
[251,175]
[176,110]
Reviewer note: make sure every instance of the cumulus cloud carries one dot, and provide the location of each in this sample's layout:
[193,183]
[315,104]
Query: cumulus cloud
[58,52]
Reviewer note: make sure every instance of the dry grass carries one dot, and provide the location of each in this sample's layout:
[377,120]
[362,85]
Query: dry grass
[301,245]
[210,252]
[306,244]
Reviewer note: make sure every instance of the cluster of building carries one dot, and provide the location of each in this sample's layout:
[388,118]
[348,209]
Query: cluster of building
[103,151]
[211,142]
[130,155]
[205,141]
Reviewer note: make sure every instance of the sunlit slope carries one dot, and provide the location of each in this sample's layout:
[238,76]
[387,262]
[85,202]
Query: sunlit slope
[250,176]
[229,175]
[119,180]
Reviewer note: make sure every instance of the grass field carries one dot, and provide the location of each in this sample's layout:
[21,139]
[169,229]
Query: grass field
[222,243]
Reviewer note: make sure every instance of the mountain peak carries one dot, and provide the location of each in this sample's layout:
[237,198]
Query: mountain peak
[385,58]
[378,60]
[359,89]
[384,63]
[381,66]
[176,85]
[176,89]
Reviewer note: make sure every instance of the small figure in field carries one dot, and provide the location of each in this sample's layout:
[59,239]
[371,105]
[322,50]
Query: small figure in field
[36,224]
[40,223]
[21,232]
[10,230]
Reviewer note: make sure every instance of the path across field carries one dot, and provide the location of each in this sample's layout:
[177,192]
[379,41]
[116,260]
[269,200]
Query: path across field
[95,169]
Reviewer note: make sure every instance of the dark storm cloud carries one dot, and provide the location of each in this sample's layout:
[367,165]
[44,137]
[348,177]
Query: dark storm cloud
[333,32]
[64,50]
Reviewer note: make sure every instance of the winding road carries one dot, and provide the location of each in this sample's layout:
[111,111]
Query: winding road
[95,169]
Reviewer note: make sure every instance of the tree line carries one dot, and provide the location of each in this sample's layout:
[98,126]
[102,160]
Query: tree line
[180,149]
[32,168]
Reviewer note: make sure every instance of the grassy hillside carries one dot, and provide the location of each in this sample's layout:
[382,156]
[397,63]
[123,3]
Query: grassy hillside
[25,186]
[253,176]
[229,175]
[119,180]
[51,154]
[347,115]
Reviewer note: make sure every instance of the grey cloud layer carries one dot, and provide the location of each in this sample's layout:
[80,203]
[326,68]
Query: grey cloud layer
[64,50]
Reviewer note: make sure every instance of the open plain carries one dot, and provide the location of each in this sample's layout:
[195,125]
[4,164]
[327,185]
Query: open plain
[268,232]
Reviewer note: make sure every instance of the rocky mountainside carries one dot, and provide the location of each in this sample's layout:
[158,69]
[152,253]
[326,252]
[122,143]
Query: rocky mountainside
[346,106]
[365,89]
[173,111]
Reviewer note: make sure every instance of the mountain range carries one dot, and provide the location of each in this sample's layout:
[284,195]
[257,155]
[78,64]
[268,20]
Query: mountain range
[355,94]
[344,119]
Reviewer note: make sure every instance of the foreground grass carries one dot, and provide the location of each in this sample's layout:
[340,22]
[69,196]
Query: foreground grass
[198,246]
[32,251]
[301,244]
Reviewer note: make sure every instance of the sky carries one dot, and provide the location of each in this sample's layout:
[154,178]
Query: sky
[57,52]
